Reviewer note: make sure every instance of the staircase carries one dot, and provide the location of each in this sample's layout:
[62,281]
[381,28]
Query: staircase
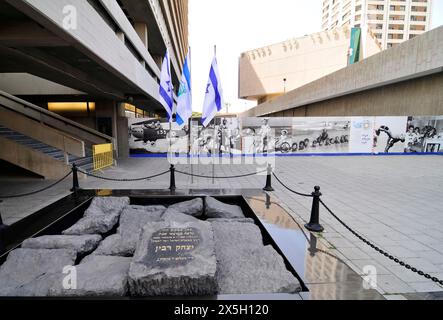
[84,163]
[44,142]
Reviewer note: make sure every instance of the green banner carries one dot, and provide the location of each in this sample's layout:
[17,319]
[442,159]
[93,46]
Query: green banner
[354,49]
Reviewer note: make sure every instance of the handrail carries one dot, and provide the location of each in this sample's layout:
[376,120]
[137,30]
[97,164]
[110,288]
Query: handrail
[43,133]
[57,122]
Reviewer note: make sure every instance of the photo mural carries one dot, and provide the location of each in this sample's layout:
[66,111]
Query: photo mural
[229,136]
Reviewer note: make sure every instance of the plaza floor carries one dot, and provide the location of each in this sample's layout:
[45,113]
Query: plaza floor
[396,202]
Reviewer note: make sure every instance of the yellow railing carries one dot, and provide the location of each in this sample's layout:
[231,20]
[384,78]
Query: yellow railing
[102,155]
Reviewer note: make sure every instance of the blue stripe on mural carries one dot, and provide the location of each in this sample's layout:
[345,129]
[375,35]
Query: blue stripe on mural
[158,155]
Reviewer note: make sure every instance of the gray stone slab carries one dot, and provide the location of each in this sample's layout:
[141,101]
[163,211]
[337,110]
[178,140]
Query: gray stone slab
[33,272]
[218,209]
[98,276]
[174,259]
[80,244]
[174,215]
[245,265]
[239,220]
[132,221]
[101,216]
[192,207]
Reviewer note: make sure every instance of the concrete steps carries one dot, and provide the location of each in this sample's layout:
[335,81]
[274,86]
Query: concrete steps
[85,163]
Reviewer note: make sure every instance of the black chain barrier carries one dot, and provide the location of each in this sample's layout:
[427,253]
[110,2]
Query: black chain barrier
[387,255]
[37,191]
[289,189]
[123,179]
[218,177]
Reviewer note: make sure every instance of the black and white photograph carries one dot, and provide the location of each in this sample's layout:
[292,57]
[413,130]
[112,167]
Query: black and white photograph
[156,136]
[267,135]
[228,136]
[424,134]
[320,135]
[389,134]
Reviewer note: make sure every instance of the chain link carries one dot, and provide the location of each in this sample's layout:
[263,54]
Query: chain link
[122,180]
[386,254]
[298,193]
[37,191]
[216,177]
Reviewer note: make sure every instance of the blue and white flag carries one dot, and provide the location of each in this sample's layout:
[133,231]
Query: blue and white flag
[184,102]
[214,95]
[166,90]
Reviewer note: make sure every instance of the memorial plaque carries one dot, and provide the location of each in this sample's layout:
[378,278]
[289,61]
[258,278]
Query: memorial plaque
[172,247]
[174,259]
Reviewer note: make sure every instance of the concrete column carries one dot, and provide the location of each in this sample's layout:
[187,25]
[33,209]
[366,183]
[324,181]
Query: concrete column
[122,132]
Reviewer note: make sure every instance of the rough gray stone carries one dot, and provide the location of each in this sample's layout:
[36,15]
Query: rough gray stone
[245,265]
[132,221]
[239,220]
[174,215]
[33,272]
[101,216]
[192,207]
[98,276]
[174,259]
[80,244]
[218,209]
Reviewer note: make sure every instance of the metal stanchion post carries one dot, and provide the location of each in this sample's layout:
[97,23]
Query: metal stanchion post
[268,186]
[75,185]
[314,223]
[172,178]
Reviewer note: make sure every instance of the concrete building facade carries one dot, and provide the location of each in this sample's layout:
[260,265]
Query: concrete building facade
[271,71]
[90,62]
[392,21]
[405,80]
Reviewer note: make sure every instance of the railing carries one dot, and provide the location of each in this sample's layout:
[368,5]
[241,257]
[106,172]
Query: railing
[38,131]
[52,119]
[102,156]
[313,225]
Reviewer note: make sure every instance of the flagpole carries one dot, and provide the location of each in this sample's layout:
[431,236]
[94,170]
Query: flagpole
[215,134]
[190,124]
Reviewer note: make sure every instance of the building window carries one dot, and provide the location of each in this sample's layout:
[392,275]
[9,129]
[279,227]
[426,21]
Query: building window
[396,27]
[418,9]
[418,18]
[412,36]
[397,8]
[417,27]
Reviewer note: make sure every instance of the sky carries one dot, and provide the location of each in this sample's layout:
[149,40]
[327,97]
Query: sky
[236,26]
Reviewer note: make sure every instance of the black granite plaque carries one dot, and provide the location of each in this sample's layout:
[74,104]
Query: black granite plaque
[172,247]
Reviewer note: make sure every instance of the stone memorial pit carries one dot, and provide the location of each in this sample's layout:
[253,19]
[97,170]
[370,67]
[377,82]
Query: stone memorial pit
[202,248]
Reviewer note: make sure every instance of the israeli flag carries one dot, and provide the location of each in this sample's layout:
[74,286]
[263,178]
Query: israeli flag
[166,90]
[184,102]
[214,95]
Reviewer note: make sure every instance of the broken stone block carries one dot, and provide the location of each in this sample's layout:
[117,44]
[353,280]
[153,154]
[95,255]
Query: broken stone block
[98,276]
[101,216]
[245,265]
[132,221]
[218,209]
[174,259]
[33,272]
[192,207]
[240,220]
[80,244]
[174,215]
